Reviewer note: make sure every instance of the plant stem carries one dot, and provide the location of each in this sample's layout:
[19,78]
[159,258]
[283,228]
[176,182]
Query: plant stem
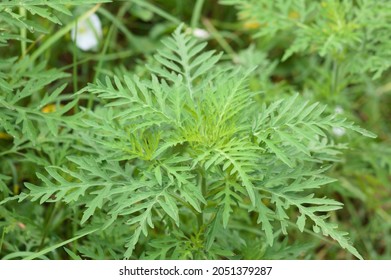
[100,63]
[51,248]
[116,21]
[200,216]
[23,32]
[5,229]
[104,50]
[74,52]
[157,11]
[220,39]
[197,13]
[74,66]
[48,219]
[75,228]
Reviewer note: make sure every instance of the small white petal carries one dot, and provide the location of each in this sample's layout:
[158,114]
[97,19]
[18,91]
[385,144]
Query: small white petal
[201,33]
[339,131]
[338,110]
[88,33]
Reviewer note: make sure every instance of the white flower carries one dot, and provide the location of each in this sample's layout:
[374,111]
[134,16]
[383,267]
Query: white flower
[200,33]
[339,131]
[88,33]
[338,110]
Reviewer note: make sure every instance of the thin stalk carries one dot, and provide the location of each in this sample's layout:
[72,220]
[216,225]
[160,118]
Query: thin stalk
[104,50]
[74,60]
[97,57]
[23,32]
[74,229]
[5,230]
[157,11]
[200,220]
[200,216]
[220,39]
[47,221]
[14,176]
[186,204]
[100,63]
[116,20]
[74,64]
[32,45]
[197,13]
[125,7]
[51,248]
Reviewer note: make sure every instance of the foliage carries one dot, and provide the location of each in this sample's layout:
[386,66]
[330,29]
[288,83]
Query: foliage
[200,153]
[340,30]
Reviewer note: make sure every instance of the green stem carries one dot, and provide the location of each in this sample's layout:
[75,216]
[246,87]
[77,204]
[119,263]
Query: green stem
[197,13]
[186,204]
[200,220]
[104,50]
[75,76]
[118,23]
[98,57]
[47,250]
[220,39]
[100,63]
[200,216]
[5,229]
[23,32]
[74,52]
[75,228]
[48,219]
[157,11]
[14,175]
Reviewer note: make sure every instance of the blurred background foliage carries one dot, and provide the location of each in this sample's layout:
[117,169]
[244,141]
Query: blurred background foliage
[334,52]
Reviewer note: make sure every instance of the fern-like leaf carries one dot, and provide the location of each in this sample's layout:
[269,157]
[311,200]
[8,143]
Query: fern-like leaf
[184,56]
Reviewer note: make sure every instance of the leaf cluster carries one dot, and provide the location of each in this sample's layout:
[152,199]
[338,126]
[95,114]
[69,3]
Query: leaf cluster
[183,156]
[347,31]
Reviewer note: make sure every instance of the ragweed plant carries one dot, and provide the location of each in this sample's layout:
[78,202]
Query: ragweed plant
[33,108]
[347,32]
[186,164]
[187,159]
[335,51]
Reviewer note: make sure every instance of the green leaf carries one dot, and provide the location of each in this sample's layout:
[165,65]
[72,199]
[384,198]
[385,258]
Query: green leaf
[158,175]
[213,229]
[169,206]
[277,151]
[183,57]
[264,214]
[301,222]
[95,203]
